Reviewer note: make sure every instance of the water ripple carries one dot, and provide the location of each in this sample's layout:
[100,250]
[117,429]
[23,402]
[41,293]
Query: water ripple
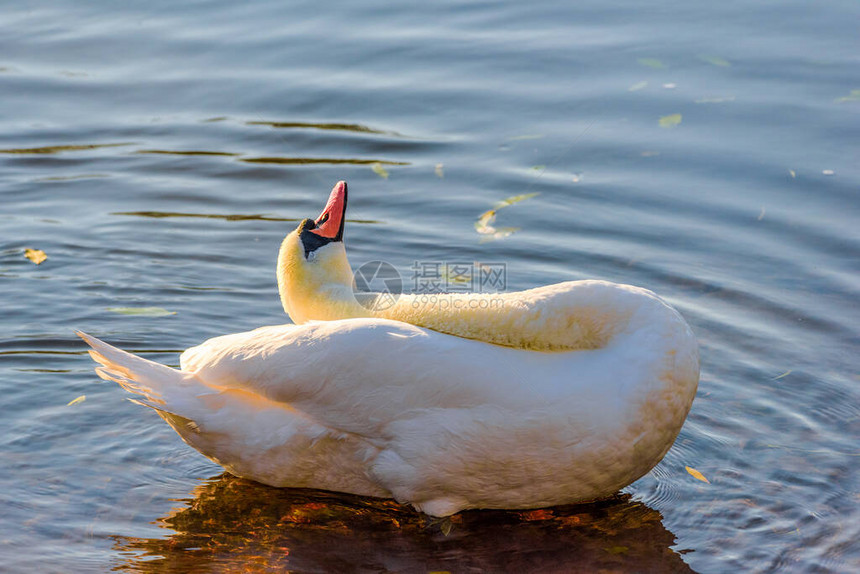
[319,160]
[360,128]
[61,148]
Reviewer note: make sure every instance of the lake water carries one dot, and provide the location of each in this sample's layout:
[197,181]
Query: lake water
[158,152]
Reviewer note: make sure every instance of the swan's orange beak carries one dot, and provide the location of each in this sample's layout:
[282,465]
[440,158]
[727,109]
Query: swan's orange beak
[329,224]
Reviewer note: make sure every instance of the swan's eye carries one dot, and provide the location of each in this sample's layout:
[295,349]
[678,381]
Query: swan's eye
[322,219]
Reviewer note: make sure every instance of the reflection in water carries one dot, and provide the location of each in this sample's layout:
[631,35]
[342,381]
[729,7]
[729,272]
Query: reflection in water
[320,160]
[324,126]
[227,217]
[235,523]
[60,148]
[185,152]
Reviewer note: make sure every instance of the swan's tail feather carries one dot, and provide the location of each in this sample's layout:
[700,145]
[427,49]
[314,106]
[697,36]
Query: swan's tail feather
[178,422]
[135,374]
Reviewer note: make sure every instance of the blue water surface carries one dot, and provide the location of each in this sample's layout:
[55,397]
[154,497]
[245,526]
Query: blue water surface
[158,152]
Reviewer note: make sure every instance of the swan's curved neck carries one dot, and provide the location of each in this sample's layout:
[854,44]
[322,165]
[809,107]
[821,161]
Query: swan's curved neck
[562,317]
[318,287]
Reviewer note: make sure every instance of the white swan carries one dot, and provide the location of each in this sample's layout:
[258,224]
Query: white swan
[315,282]
[384,408]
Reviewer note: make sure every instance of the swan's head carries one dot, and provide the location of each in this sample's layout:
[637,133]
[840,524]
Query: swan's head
[312,263]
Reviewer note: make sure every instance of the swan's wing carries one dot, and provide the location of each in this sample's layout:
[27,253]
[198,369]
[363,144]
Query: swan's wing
[289,363]
[358,375]
[326,367]
[246,433]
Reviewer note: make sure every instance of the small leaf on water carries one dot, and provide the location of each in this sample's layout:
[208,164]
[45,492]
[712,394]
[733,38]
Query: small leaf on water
[785,374]
[499,233]
[440,170]
[516,198]
[792,173]
[80,399]
[141,311]
[651,62]
[538,168]
[37,256]
[379,170]
[696,474]
[637,86]
[484,223]
[446,526]
[853,97]
[715,60]
[670,121]
[716,100]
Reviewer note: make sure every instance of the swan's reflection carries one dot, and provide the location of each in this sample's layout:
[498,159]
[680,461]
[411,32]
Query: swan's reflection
[233,524]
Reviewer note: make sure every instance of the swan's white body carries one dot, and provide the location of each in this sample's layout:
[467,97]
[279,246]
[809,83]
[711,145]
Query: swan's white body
[591,389]
[382,408]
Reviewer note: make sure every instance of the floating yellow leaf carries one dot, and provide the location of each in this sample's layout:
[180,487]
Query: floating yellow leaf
[142,311]
[440,170]
[37,256]
[455,274]
[484,224]
[485,221]
[792,173]
[696,474]
[516,198]
[379,170]
[80,399]
[715,100]
[785,374]
[637,86]
[715,60]
[498,234]
[651,62]
[670,121]
[853,97]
